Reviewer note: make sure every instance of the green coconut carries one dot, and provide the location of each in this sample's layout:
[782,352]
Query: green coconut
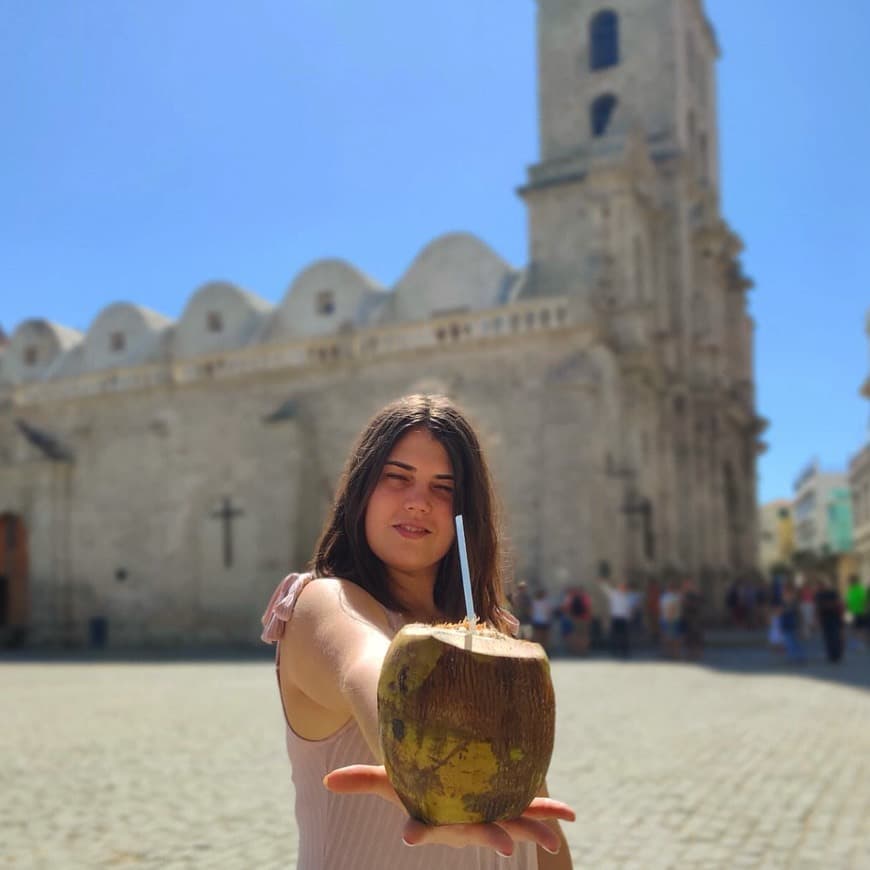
[466,722]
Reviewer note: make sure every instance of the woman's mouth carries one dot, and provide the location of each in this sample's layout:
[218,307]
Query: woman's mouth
[407,530]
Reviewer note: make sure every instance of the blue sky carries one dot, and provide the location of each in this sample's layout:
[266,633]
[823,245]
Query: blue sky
[150,147]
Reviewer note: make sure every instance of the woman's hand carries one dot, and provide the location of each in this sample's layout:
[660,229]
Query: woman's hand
[500,836]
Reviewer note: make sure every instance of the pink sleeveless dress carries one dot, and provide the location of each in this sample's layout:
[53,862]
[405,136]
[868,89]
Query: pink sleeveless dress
[358,832]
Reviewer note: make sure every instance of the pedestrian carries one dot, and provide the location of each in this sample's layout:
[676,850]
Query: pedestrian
[691,628]
[789,624]
[732,602]
[867,615]
[387,557]
[652,617]
[542,618]
[523,610]
[856,605]
[621,602]
[669,608]
[775,637]
[806,597]
[577,610]
[829,613]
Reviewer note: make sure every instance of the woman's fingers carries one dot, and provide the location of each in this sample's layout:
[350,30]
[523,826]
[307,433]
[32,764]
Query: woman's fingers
[361,779]
[489,836]
[532,831]
[530,827]
[548,808]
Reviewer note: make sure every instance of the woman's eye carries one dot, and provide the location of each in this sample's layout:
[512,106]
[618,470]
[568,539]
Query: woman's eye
[447,490]
[393,476]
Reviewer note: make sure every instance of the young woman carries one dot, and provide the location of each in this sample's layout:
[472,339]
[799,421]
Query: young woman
[387,557]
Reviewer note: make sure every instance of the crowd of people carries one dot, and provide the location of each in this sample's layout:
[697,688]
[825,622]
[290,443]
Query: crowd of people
[795,609]
[669,616]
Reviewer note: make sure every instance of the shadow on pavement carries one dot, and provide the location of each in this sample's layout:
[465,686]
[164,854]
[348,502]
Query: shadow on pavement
[748,655]
[138,656]
[760,660]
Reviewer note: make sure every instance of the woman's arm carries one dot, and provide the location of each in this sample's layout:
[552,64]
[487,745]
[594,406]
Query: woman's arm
[333,649]
[336,645]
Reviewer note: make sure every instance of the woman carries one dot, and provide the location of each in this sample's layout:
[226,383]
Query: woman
[387,557]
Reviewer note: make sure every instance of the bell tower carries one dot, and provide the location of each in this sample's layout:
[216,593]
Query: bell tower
[624,220]
[625,88]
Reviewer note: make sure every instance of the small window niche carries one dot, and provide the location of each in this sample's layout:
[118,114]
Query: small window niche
[324,303]
[214,321]
[31,355]
[601,114]
[117,342]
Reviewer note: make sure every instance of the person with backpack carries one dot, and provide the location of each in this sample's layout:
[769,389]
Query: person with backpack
[577,610]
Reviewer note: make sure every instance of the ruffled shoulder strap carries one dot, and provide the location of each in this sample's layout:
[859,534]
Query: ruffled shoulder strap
[513,624]
[281,605]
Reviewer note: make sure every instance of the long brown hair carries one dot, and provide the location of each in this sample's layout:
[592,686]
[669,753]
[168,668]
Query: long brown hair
[343,550]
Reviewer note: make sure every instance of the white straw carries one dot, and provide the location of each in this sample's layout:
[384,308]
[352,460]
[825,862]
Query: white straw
[466,576]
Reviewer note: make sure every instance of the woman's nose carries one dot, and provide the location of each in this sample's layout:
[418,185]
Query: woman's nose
[417,499]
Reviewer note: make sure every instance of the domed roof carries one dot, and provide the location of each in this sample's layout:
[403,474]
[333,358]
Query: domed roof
[219,316]
[454,272]
[34,346]
[124,334]
[324,297]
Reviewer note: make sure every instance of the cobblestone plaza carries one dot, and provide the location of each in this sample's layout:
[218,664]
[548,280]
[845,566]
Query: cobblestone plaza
[738,762]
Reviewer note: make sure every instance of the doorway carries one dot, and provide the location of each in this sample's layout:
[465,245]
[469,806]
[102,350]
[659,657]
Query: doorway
[14,591]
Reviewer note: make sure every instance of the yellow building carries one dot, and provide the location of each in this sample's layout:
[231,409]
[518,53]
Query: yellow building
[776,541]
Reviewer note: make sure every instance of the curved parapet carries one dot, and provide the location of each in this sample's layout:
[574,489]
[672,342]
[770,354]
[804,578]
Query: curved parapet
[34,347]
[218,317]
[124,335]
[326,297]
[456,272]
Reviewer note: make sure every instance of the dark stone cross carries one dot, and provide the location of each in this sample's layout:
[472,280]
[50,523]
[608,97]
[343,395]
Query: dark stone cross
[227,514]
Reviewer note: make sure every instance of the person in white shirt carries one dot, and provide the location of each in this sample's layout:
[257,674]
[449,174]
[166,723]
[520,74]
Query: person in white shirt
[542,618]
[621,602]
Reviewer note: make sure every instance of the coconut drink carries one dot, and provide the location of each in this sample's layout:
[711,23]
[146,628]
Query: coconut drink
[466,719]
[466,722]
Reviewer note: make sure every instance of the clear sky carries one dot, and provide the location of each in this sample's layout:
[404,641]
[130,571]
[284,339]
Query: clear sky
[149,147]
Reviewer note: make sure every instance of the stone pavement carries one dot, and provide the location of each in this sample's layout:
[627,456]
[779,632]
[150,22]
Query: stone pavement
[738,762]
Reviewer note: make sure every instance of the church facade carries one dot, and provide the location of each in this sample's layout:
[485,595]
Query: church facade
[160,476]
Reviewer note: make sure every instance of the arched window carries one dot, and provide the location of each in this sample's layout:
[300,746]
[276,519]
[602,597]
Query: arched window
[604,40]
[600,114]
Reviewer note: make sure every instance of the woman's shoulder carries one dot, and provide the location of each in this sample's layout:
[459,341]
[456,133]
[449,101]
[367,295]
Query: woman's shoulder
[306,600]
[337,599]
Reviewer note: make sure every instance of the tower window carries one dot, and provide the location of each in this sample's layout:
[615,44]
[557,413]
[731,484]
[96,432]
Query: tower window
[116,342]
[600,114]
[604,40]
[31,355]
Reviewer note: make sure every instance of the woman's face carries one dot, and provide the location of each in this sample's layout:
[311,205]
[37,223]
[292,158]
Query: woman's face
[409,517]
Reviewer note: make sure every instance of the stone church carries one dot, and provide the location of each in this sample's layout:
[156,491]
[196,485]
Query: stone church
[158,477]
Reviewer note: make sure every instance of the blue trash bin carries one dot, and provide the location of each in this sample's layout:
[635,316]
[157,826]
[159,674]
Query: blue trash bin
[98,631]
